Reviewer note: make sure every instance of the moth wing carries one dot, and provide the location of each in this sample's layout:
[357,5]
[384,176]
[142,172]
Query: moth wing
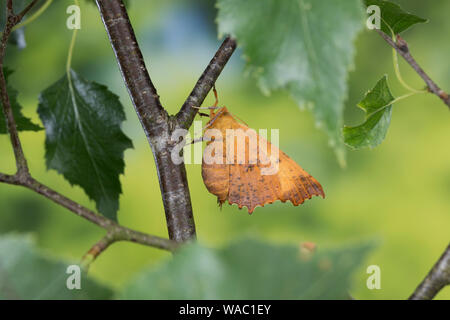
[242,181]
[216,179]
[216,175]
[248,188]
[248,185]
[296,184]
[291,181]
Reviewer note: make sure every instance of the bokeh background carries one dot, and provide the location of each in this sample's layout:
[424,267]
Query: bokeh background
[397,193]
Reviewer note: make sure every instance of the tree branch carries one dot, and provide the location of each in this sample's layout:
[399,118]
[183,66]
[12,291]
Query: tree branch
[6,178]
[118,232]
[186,115]
[157,125]
[97,249]
[11,21]
[154,119]
[436,279]
[132,66]
[401,46]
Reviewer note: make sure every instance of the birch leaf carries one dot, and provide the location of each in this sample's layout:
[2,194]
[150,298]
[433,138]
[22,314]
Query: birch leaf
[378,107]
[394,17]
[26,273]
[247,270]
[84,140]
[23,123]
[303,46]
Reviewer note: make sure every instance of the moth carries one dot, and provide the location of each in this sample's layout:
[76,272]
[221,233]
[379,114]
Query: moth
[244,181]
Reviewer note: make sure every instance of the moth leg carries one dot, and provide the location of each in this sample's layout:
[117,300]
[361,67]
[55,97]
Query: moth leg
[216,96]
[213,107]
[206,108]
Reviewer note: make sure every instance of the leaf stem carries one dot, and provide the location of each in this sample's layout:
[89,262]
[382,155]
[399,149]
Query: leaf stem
[401,46]
[399,76]
[71,47]
[397,66]
[407,95]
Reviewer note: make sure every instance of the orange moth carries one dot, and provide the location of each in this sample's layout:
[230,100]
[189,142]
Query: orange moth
[241,179]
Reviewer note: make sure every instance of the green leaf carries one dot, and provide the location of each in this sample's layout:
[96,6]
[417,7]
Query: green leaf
[303,46]
[249,270]
[84,141]
[393,16]
[26,273]
[23,123]
[378,107]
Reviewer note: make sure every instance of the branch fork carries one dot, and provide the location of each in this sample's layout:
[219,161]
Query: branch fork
[154,119]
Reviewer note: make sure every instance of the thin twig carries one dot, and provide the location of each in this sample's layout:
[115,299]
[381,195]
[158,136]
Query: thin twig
[6,178]
[119,232]
[97,249]
[9,8]
[401,46]
[205,83]
[436,279]
[26,10]
[11,21]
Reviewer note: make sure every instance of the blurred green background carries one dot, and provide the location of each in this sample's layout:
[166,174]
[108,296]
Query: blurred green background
[398,192]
